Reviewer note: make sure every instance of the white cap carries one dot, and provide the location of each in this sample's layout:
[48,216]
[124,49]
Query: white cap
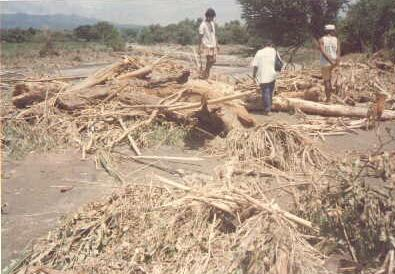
[330,27]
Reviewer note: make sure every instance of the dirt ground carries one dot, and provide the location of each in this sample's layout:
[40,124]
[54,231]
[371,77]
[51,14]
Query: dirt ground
[32,189]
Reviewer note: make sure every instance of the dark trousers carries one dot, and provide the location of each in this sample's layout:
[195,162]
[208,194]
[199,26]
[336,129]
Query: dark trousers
[267,90]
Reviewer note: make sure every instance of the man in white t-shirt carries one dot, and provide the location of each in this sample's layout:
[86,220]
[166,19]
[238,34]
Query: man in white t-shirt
[330,57]
[208,45]
[264,65]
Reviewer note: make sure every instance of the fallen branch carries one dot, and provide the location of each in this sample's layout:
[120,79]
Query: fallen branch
[101,76]
[131,140]
[60,78]
[271,208]
[142,72]
[170,158]
[214,101]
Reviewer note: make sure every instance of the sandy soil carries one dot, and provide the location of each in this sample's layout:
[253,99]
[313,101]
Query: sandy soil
[32,189]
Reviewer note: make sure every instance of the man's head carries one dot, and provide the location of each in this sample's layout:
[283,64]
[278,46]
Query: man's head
[268,43]
[210,14]
[330,29]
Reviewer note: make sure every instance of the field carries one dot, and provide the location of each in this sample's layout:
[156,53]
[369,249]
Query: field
[126,162]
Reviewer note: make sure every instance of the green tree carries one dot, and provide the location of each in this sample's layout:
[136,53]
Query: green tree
[289,23]
[369,26]
[86,32]
[232,32]
[18,35]
[110,36]
[130,34]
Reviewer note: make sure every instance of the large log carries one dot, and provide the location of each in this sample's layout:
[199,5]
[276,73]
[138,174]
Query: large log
[27,94]
[312,94]
[142,72]
[80,99]
[313,108]
[234,110]
[214,119]
[182,78]
[103,75]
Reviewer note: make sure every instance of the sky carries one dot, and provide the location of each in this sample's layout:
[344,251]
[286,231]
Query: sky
[140,12]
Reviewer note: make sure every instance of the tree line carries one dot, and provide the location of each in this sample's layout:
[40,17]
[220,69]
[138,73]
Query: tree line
[363,26]
[102,32]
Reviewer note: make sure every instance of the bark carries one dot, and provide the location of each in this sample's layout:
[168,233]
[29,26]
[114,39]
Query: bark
[79,100]
[179,79]
[140,73]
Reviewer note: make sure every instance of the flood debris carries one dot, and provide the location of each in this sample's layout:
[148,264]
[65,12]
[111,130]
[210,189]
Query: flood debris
[230,222]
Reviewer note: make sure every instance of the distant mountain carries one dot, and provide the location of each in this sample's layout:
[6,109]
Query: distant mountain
[57,21]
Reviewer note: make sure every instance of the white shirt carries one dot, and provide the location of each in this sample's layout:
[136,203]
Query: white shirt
[265,60]
[330,48]
[207,30]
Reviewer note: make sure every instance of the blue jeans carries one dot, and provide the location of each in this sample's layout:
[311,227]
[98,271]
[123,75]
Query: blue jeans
[267,90]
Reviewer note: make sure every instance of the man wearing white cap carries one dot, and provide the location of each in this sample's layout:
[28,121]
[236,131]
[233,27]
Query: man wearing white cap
[330,57]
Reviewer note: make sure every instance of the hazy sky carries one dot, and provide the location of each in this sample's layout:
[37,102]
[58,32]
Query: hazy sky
[140,12]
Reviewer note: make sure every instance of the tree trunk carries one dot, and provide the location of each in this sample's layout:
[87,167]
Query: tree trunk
[215,119]
[27,94]
[79,100]
[182,78]
[140,73]
[234,110]
[308,107]
[312,94]
[103,75]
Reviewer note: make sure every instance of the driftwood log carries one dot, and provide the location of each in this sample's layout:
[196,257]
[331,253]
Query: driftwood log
[182,78]
[313,108]
[78,100]
[27,94]
[101,76]
[312,94]
[233,111]
[141,72]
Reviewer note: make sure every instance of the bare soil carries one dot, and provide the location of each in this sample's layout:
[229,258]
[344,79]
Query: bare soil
[32,189]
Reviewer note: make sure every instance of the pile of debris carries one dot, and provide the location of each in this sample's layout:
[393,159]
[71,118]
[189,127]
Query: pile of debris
[172,227]
[134,89]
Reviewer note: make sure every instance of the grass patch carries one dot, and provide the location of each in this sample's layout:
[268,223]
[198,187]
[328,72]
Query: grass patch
[162,133]
[11,50]
[21,138]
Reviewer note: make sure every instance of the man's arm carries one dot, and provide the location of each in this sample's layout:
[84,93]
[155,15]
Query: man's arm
[326,56]
[338,53]
[254,72]
[254,65]
[200,43]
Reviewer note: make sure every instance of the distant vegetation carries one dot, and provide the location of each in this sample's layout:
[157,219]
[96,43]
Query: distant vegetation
[186,33]
[102,32]
[368,26]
